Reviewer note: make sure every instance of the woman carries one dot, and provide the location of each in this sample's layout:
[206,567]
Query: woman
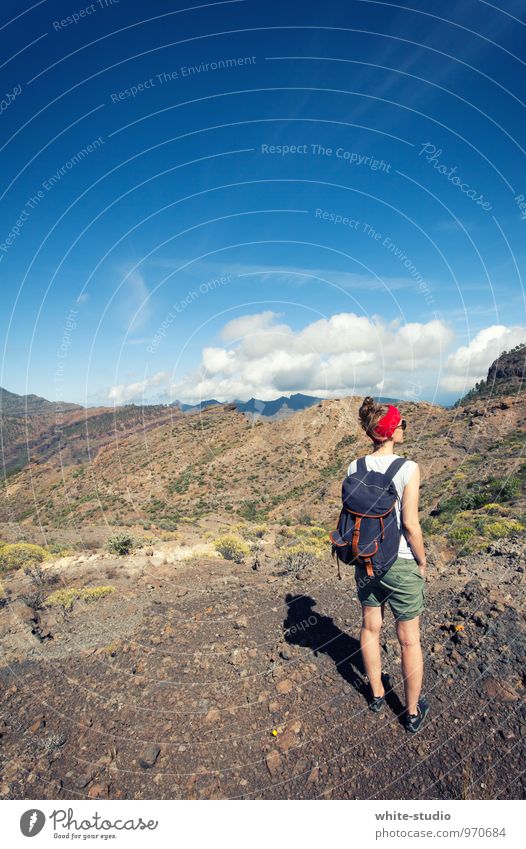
[403,586]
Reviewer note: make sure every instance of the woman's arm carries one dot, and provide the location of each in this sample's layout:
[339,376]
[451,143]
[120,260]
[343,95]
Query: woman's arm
[410,520]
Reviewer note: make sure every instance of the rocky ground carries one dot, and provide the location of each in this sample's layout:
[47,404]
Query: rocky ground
[203,678]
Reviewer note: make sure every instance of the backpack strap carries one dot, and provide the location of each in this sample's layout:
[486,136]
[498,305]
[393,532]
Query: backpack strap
[361,466]
[391,472]
[393,468]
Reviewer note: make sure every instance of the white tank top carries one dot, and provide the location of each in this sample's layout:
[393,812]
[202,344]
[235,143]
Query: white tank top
[380,463]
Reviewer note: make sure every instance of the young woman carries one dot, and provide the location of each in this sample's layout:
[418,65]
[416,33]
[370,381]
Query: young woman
[403,586]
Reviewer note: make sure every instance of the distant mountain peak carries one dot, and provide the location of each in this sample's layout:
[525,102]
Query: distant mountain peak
[506,376]
[17,405]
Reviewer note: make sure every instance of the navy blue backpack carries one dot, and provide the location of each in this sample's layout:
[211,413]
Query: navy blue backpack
[367,534]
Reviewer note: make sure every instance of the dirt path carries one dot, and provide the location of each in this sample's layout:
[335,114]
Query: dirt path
[212,680]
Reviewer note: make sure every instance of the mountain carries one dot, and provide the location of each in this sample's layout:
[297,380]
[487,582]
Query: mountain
[281,405]
[506,376]
[175,467]
[190,408]
[66,434]
[18,405]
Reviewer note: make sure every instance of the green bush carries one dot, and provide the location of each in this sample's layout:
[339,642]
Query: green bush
[430,525]
[479,493]
[19,554]
[461,534]
[502,528]
[305,519]
[232,548]
[249,510]
[494,508]
[297,558]
[59,549]
[66,598]
[120,544]
[90,594]
[313,531]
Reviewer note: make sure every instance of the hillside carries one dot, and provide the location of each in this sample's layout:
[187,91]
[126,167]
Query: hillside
[34,430]
[20,405]
[69,434]
[218,463]
[506,376]
[174,672]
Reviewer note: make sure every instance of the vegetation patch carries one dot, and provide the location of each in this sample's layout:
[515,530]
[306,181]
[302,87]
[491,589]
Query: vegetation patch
[232,548]
[59,549]
[296,559]
[16,555]
[252,511]
[503,528]
[182,482]
[120,544]
[66,598]
[461,533]
[479,493]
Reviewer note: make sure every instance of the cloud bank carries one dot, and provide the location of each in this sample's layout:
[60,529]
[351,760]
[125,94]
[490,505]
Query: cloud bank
[260,355]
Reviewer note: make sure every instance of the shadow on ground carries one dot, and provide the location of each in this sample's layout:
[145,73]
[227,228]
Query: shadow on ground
[305,627]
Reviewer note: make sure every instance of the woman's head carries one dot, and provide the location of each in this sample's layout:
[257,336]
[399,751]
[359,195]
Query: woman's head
[381,422]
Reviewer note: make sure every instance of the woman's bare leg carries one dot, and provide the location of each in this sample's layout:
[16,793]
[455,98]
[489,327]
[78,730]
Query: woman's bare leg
[372,620]
[408,634]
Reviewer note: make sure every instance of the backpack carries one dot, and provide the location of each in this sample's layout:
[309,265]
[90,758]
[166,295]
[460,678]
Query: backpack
[367,532]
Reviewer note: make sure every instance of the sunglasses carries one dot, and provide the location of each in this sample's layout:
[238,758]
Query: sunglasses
[403,424]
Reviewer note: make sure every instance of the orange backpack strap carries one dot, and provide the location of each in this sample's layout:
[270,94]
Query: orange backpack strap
[368,566]
[356,535]
[354,545]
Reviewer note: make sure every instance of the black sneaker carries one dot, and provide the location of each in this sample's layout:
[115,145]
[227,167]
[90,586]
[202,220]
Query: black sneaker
[376,703]
[414,722]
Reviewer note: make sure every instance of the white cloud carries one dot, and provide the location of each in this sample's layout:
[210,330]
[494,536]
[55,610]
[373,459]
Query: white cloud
[287,275]
[342,354]
[469,363]
[127,392]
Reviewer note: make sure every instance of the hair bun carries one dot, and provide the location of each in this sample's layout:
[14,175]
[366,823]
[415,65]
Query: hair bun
[370,412]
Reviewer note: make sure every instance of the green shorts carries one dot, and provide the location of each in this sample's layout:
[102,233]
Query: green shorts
[402,587]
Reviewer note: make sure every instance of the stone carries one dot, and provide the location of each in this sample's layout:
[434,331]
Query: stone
[285,686]
[83,780]
[149,756]
[97,791]
[314,775]
[213,715]
[273,762]
[23,612]
[499,690]
[37,725]
[158,560]
[286,741]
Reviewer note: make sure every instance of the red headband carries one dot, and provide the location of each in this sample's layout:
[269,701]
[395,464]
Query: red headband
[388,423]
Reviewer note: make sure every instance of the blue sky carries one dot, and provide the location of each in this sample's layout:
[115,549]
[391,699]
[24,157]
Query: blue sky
[245,198]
